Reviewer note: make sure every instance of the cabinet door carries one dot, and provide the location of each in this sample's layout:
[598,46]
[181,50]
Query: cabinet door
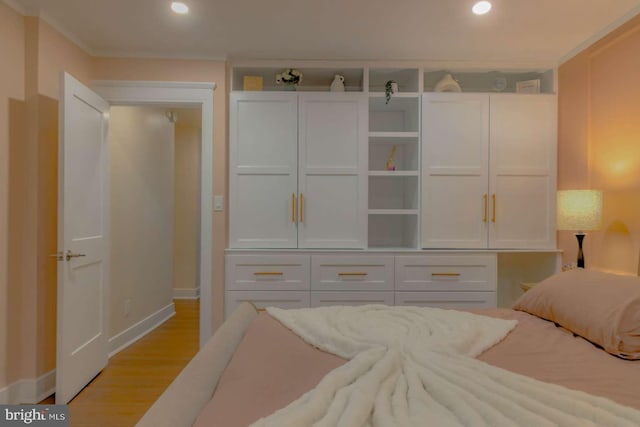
[332,170]
[263,156]
[523,171]
[455,140]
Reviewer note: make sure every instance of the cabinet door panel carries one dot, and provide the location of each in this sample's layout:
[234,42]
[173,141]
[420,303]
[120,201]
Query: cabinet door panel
[262,214]
[455,138]
[332,170]
[523,170]
[447,300]
[320,299]
[263,170]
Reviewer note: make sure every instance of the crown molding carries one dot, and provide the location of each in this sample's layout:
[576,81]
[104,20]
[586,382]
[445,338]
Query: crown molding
[66,33]
[18,7]
[156,55]
[600,34]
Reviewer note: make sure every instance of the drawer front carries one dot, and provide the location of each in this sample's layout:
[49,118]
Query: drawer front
[267,272]
[446,273]
[449,300]
[352,273]
[263,299]
[324,298]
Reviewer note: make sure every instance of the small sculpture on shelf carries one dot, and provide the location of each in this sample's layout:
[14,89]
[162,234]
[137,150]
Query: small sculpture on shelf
[338,83]
[390,166]
[390,88]
[289,77]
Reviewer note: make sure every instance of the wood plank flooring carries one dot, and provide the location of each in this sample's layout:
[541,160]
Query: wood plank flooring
[135,377]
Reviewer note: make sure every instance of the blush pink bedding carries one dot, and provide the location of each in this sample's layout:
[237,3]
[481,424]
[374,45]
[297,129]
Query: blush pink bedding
[272,367]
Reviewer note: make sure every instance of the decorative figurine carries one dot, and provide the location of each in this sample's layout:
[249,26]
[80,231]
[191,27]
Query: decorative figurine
[390,88]
[390,166]
[338,83]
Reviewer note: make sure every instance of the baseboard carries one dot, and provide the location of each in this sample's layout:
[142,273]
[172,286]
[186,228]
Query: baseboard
[186,293]
[29,390]
[132,334]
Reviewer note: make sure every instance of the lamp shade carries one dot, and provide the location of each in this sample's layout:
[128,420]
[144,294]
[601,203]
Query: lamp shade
[579,210]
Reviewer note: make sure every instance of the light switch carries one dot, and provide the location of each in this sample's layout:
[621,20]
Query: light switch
[218,203]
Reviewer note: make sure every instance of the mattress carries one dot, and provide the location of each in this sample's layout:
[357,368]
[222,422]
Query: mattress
[272,367]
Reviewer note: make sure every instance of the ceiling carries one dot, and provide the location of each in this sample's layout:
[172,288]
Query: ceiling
[441,30]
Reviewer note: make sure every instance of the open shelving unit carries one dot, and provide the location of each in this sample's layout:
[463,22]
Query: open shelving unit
[394,126]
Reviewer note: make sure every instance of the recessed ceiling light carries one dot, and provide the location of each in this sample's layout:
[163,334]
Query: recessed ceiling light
[481,7]
[179,7]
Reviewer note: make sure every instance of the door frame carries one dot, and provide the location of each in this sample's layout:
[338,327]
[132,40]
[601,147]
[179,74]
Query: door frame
[181,94]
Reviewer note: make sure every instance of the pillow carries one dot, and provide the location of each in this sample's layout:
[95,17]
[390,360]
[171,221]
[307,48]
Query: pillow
[604,308]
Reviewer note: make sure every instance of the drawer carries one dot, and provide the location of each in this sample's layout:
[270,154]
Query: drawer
[352,273]
[323,298]
[446,273]
[263,299]
[449,300]
[267,272]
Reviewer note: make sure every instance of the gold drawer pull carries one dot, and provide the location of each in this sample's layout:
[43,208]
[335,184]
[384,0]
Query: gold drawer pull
[353,274]
[446,274]
[268,273]
[261,310]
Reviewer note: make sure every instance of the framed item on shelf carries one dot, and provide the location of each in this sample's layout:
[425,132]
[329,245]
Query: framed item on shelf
[252,83]
[528,86]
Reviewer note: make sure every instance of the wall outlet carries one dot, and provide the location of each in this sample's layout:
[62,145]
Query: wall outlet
[218,203]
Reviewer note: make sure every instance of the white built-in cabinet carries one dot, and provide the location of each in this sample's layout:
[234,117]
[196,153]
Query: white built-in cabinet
[298,170]
[455,223]
[488,171]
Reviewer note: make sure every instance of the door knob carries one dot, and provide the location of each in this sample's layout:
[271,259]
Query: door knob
[70,255]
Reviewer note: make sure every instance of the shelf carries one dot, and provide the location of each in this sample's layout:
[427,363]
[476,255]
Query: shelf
[395,95]
[394,192]
[393,173]
[313,78]
[393,211]
[399,115]
[406,136]
[393,231]
[484,81]
[408,79]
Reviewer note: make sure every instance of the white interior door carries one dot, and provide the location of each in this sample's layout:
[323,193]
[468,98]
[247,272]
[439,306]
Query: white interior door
[82,341]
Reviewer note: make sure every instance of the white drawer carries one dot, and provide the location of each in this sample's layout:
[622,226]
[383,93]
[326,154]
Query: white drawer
[263,299]
[323,298]
[352,273]
[446,273]
[451,300]
[267,272]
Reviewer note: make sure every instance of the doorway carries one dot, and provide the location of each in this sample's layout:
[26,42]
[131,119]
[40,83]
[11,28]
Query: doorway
[154,171]
[183,95]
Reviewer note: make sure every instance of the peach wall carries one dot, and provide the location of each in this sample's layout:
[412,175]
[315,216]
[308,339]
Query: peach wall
[600,116]
[195,71]
[12,72]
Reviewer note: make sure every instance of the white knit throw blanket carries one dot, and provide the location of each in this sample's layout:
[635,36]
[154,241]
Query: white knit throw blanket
[410,366]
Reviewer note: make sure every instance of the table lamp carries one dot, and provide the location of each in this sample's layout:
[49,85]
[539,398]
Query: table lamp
[579,210]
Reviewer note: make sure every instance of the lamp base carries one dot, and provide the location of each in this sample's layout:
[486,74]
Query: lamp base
[580,237]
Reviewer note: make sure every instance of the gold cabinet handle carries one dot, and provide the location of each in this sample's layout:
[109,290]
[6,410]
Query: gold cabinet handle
[301,208]
[293,207]
[493,211]
[486,207]
[261,310]
[353,274]
[445,274]
[268,273]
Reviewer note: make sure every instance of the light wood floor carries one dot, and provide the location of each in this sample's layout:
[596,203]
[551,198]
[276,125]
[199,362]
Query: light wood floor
[135,377]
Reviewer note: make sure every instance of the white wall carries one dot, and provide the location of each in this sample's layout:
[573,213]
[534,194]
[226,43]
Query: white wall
[142,201]
[187,203]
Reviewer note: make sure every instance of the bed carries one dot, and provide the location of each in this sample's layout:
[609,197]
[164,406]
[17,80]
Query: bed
[254,365]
